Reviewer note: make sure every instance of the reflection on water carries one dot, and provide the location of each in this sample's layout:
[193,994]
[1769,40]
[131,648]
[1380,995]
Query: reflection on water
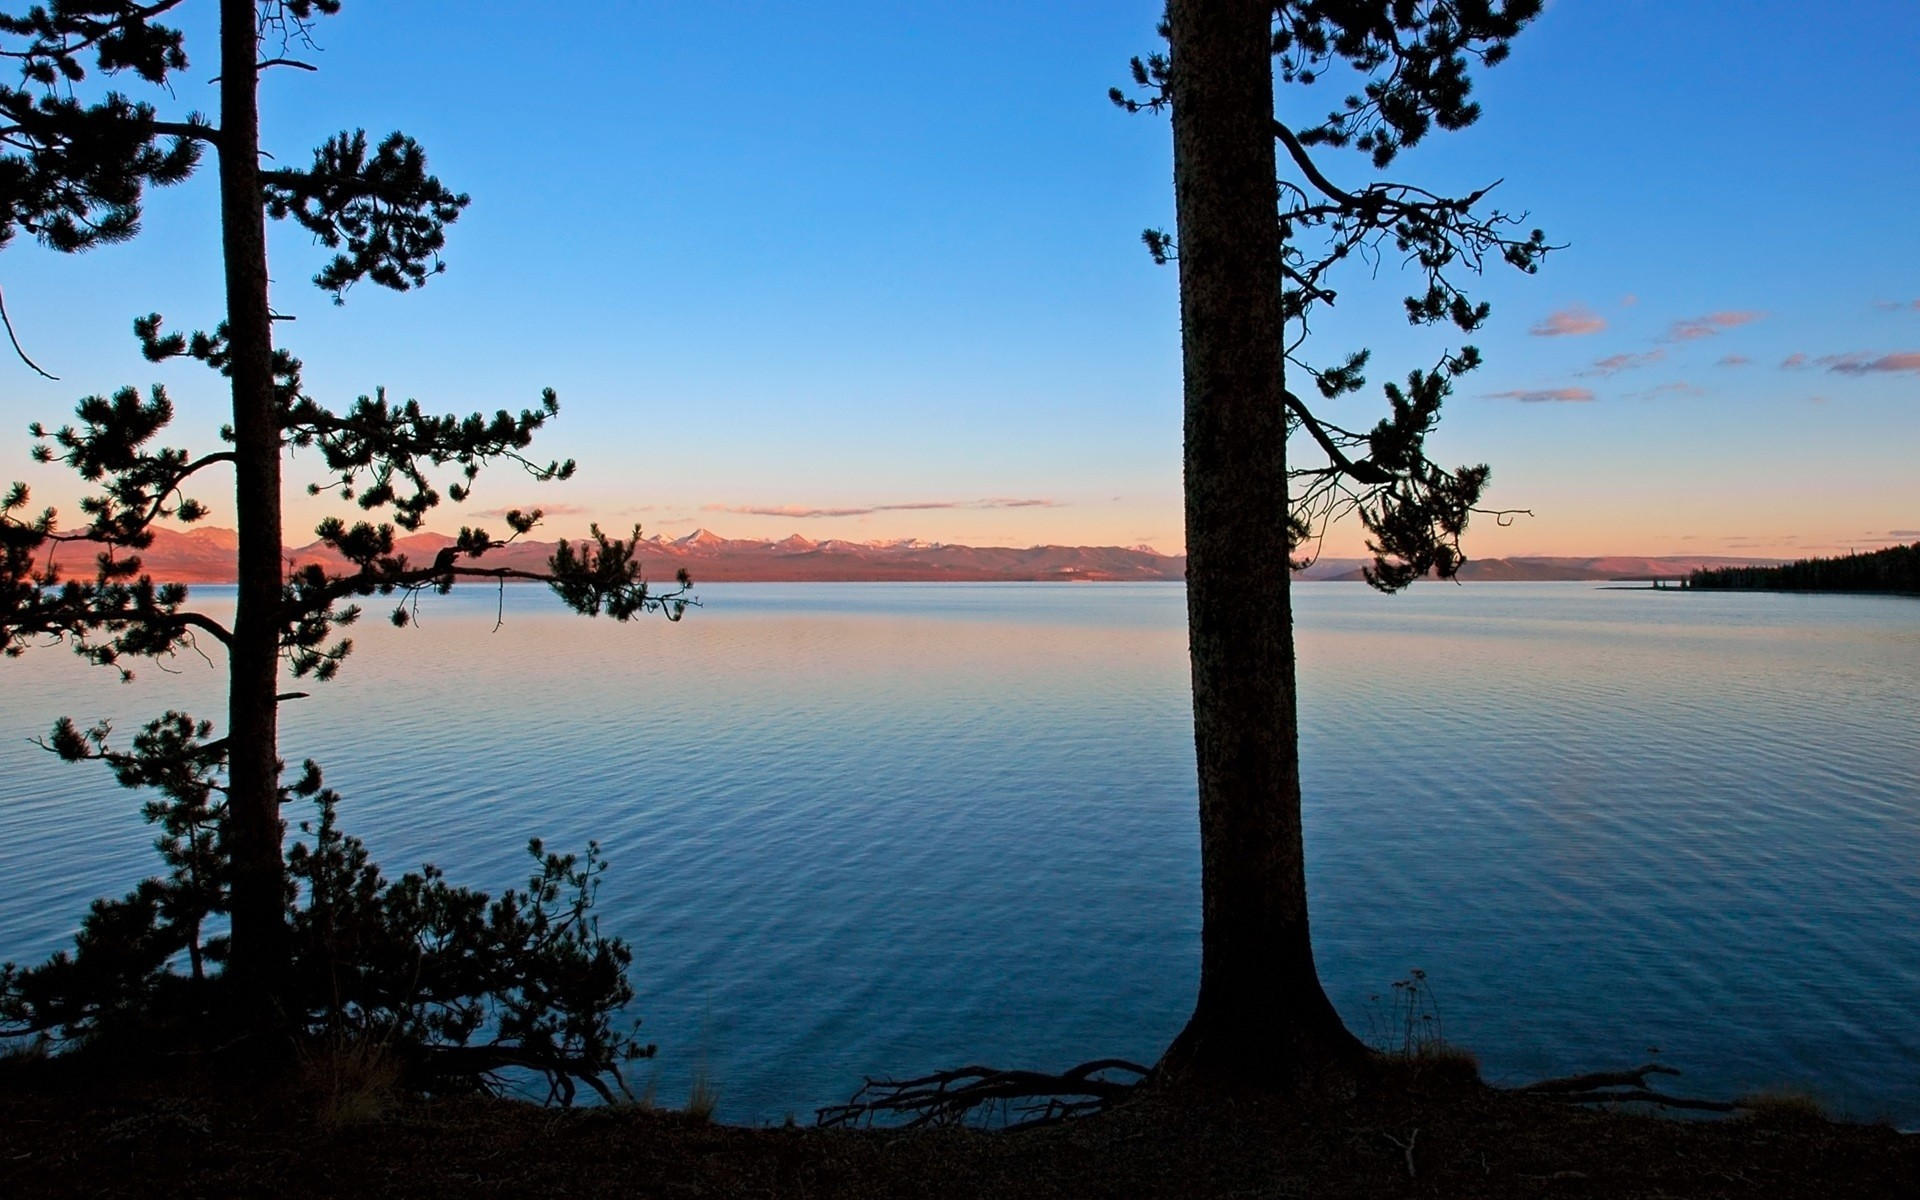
[863,829]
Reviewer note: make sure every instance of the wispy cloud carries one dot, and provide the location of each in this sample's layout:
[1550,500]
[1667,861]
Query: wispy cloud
[1566,395]
[546,510]
[803,512]
[1913,533]
[1759,539]
[1613,364]
[1733,360]
[1629,300]
[1679,387]
[1897,305]
[1793,362]
[1869,364]
[1690,329]
[1570,322]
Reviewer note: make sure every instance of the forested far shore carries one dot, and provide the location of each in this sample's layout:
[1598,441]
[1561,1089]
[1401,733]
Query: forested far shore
[1895,569]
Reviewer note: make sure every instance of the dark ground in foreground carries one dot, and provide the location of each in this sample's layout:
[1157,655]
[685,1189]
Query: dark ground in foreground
[1460,1141]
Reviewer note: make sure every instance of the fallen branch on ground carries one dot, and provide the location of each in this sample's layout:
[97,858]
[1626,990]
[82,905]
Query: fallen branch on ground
[949,1097]
[1601,1087]
[1599,1079]
[1648,1096]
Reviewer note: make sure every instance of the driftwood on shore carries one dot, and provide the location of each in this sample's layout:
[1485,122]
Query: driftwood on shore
[948,1097]
[1602,1087]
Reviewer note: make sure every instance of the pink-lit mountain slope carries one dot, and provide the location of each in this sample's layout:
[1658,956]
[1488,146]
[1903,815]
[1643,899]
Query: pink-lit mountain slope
[191,556]
[206,555]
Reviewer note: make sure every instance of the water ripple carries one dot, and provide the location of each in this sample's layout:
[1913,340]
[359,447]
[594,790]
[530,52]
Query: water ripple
[865,829]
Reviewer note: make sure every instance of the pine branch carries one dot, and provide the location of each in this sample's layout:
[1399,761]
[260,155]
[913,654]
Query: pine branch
[394,445]
[601,577]
[390,215]
[124,37]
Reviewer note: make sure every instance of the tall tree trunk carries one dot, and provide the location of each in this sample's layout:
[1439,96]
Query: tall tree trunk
[254,829]
[1262,1015]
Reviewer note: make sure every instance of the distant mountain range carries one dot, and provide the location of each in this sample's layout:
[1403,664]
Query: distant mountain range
[206,555]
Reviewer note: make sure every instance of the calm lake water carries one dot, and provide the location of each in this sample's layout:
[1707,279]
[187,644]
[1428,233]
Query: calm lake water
[868,829]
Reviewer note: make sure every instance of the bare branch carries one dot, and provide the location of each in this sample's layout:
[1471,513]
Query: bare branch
[276,62]
[8,321]
[1362,471]
[1309,168]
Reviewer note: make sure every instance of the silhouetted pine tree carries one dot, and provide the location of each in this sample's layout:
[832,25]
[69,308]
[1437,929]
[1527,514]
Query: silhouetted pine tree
[1258,251]
[73,175]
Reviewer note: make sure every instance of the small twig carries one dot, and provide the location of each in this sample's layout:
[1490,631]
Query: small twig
[1406,1146]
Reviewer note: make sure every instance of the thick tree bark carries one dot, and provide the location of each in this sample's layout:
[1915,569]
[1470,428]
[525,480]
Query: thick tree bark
[1262,1016]
[254,828]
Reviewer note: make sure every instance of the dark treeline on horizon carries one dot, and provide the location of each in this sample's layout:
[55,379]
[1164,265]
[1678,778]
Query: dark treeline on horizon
[1895,569]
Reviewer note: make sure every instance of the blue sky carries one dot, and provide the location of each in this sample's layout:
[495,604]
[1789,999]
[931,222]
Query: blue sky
[880,260]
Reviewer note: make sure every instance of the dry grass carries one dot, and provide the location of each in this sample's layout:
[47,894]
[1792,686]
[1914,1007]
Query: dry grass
[1436,1063]
[1783,1106]
[702,1097]
[345,1082]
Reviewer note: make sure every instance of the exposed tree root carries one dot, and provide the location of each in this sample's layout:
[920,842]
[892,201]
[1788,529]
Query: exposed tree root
[950,1097]
[564,1072]
[1024,1098]
[1602,1087]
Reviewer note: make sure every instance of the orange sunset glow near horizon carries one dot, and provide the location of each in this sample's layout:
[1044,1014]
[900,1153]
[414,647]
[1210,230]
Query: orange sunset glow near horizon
[834,300]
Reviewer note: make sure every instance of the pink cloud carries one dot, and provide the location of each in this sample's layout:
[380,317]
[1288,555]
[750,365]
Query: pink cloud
[1629,300]
[801,511]
[1613,364]
[1573,322]
[1733,360]
[546,510]
[1692,328]
[1793,362]
[1867,364]
[1567,395]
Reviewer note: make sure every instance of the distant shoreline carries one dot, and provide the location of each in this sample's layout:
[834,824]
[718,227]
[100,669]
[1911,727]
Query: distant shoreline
[1894,570]
[205,556]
